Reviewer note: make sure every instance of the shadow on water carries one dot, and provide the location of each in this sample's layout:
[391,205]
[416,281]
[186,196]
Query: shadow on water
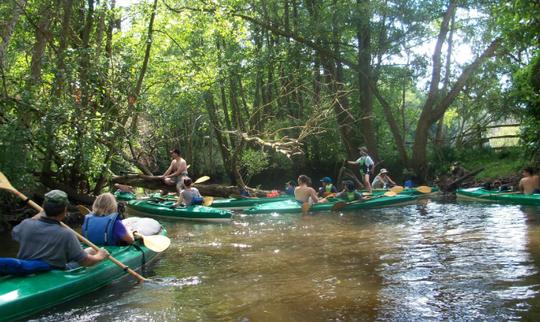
[436,260]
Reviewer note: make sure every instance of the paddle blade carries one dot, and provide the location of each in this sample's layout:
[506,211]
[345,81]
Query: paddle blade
[4,183]
[423,189]
[156,243]
[396,189]
[339,205]
[207,201]
[390,194]
[305,208]
[83,210]
[202,179]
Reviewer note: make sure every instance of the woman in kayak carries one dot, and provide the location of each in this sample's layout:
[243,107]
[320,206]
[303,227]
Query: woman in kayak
[303,193]
[103,226]
[383,180]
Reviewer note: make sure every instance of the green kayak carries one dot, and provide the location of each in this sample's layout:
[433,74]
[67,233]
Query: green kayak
[165,209]
[293,206]
[406,191]
[232,203]
[238,203]
[480,194]
[124,196]
[23,296]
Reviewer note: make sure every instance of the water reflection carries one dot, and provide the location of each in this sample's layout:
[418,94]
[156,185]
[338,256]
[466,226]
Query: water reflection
[431,261]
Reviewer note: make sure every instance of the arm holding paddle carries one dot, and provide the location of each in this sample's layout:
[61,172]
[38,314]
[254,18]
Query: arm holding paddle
[6,185]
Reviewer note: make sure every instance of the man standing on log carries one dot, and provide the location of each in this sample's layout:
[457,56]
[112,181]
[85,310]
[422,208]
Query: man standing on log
[176,172]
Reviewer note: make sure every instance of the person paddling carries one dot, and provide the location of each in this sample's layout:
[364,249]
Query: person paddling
[366,167]
[303,193]
[349,193]
[189,196]
[43,238]
[327,187]
[103,226]
[383,180]
[530,183]
[176,172]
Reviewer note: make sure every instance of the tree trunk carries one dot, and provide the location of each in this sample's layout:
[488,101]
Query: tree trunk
[43,35]
[9,27]
[365,74]
[156,183]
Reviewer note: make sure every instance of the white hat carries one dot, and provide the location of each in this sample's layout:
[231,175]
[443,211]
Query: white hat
[383,171]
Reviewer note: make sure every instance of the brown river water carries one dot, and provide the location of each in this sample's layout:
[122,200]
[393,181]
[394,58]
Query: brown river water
[433,260]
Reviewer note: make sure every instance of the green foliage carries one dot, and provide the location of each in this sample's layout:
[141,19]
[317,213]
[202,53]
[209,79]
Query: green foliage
[253,162]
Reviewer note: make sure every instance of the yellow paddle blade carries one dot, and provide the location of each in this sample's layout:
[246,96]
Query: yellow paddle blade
[202,179]
[207,201]
[396,189]
[305,208]
[390,194]
[4,183]
[423,189]
[156,243]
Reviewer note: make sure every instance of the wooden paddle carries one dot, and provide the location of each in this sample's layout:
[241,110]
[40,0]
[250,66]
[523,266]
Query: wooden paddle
[156,243]
[341,204]
[305,208]
[6,185]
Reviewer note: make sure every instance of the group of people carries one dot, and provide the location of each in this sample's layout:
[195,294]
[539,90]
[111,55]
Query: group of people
[43,239]
[177,174]
[44,242]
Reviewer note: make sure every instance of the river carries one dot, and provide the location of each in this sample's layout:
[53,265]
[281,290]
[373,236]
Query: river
[433,260]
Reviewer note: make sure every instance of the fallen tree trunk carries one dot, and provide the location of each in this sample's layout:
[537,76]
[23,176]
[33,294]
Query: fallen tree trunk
[156,183]
[452,186]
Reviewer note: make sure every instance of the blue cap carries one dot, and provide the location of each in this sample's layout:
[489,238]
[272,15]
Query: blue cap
[326,179]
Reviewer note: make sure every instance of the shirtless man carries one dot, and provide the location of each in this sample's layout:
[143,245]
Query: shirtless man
[176,172]
[303,193]
[530,183]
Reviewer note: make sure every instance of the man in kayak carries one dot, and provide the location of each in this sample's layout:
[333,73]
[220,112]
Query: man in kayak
[530,183]
[366,166]
[176,172]
[43,238]
[327,187]
[303,193]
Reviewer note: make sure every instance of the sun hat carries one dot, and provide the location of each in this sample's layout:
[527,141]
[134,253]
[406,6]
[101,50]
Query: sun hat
[383,171]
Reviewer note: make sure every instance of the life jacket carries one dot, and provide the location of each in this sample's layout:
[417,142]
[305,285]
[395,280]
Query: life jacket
[327,190]
[15,266]
[351,195]
[100,229]
[197,200]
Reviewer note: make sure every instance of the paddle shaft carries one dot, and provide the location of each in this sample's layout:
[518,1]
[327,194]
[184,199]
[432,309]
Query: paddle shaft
[82,239]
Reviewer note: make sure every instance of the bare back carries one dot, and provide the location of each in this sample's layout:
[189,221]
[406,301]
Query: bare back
[529,184]
[304,193]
